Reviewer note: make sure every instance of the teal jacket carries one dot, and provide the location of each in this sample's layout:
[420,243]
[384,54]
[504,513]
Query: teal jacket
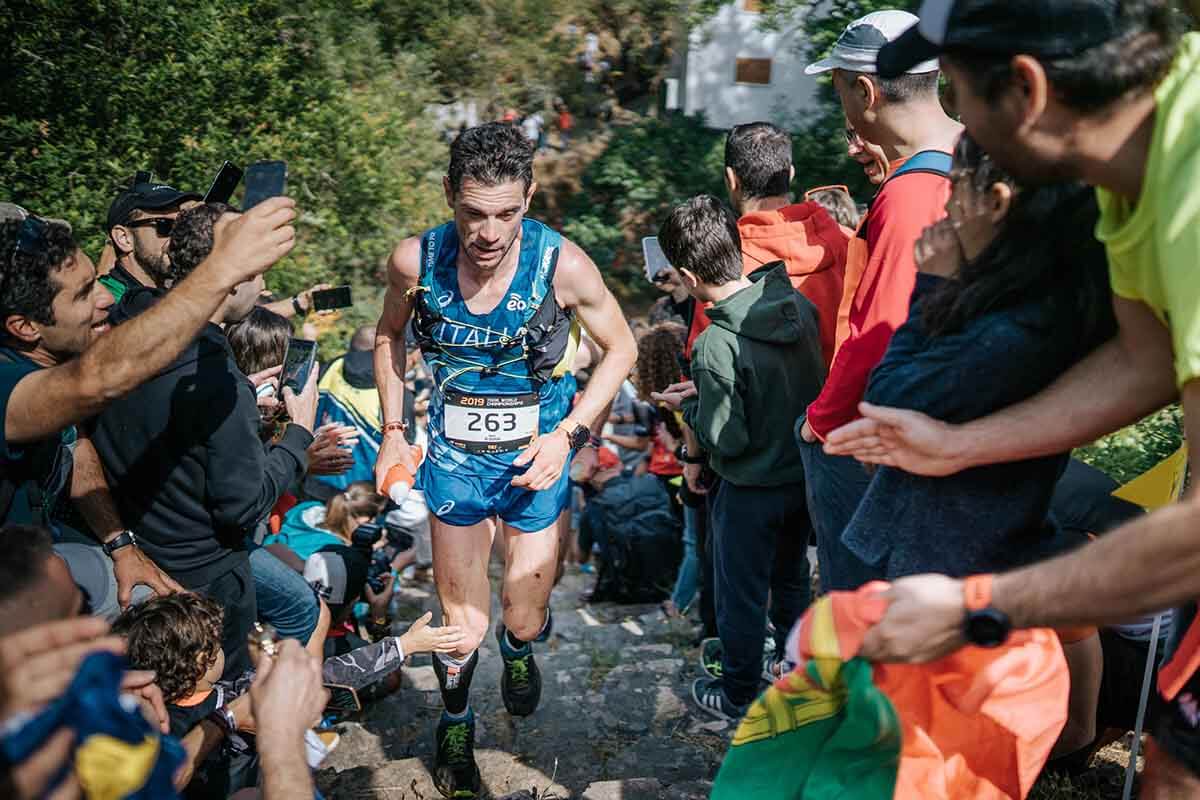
[756,368]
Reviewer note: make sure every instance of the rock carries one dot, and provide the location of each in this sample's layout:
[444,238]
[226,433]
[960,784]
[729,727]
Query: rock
[628,789]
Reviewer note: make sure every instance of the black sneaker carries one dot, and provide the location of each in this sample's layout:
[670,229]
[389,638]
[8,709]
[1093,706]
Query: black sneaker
[455,773]
[521,682]
[709,695]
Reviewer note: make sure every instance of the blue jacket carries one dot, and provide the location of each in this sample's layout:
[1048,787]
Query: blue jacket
[987,518]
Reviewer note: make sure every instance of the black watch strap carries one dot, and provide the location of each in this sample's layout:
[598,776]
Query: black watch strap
[123,539]
[299,309]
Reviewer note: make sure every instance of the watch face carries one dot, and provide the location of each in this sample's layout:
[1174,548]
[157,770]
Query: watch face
[988,627]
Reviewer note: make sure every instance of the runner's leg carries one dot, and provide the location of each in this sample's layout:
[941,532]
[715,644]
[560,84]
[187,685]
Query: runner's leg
[531,564]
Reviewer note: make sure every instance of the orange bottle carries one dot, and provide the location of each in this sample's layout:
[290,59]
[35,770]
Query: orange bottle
[399,481]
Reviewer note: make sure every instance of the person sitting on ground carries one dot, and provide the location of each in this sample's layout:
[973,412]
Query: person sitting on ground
[178,638]
[755,369]
[628,523]
[1012,292]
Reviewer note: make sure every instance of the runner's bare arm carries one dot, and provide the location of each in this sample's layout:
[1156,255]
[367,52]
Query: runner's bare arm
[578,285]
[46,401]
[403,272]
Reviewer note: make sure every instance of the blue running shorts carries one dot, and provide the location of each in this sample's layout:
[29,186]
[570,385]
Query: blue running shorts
[462,500]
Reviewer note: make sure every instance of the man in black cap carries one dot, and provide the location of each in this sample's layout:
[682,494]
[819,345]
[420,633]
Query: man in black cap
[140,220]
[1107,93]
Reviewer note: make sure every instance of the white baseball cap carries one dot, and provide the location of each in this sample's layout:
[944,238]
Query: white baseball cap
[859,45]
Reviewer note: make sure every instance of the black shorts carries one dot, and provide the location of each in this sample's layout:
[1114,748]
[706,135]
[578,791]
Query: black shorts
[1178,728]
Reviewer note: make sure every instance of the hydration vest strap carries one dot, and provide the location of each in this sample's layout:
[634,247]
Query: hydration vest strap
[934,162]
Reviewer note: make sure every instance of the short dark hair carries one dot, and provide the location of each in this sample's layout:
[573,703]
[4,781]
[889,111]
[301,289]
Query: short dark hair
[178,636]
[26,548]
[1095,77]
[28,286]
[192,237]
[760,154]
[491,154]
[260,340]
[701,236]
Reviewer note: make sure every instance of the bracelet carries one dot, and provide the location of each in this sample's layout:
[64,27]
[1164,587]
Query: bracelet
[401,426]
[299,308]
[688,459]
[223,718]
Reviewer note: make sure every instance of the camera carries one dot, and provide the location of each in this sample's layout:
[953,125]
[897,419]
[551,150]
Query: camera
[366,535]
[399,538]
[381,566]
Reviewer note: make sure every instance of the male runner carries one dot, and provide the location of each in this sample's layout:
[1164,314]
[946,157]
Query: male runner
[493,299]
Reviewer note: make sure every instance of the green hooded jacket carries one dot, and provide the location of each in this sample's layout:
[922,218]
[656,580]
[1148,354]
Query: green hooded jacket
[756,369]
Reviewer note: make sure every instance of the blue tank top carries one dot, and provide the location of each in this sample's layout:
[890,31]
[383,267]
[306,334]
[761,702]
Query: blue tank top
[486,403]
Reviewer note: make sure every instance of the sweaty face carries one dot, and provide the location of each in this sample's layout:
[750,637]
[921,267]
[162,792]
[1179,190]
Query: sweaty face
[488,219]
[80,309]
[1027,156]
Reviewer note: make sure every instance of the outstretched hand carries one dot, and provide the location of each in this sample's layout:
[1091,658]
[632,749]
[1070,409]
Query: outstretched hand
[896,437]
[674,395]
[420,638]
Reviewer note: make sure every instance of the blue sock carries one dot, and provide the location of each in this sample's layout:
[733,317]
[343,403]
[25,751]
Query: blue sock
[467,715]
[512,647]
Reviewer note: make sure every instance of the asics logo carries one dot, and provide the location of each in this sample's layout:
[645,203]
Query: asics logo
[445,299]
[516,303]
[445,508]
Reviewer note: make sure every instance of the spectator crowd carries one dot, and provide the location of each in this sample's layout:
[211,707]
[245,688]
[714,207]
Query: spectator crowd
[824,400]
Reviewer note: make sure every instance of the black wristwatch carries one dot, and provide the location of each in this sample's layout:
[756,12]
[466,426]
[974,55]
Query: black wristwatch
[683,455]
[579,436]
[986,625]
[123,539]
[299,309]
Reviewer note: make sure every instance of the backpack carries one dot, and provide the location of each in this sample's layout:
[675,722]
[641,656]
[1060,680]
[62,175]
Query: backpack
[640,541]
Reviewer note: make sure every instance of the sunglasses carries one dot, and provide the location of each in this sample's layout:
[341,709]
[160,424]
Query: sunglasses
[32,236]
[834,188]
[162,225]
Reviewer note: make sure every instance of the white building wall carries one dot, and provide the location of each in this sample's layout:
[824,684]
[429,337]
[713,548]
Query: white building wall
[711,88]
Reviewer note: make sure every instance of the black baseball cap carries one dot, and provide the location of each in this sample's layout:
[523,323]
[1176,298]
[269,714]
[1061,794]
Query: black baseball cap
[145,195]
[1045,28]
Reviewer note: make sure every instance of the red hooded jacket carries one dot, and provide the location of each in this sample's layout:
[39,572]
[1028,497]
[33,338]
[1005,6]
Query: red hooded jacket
[813,246]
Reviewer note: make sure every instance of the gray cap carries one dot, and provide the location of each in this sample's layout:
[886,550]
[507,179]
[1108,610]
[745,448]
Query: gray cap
[858,47]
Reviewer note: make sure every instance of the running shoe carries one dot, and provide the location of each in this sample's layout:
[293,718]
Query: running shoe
[455,773]
[709,695]
[521,682]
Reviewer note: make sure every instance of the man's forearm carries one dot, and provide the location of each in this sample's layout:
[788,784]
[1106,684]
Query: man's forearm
[90,492]
[1121,381]
[592,408]
[147,344]
[390,355]
[286,775]
[1143,567]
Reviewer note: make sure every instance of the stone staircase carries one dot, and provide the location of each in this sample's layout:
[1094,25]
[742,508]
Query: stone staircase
[615,721]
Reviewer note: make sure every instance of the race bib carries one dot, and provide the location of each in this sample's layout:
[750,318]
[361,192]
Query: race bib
[491,423]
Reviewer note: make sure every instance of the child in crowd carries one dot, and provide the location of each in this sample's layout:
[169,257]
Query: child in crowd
[178,636]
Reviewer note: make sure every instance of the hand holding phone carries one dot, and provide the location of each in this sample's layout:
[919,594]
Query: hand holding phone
[297,364]
[329,299]
[655,258]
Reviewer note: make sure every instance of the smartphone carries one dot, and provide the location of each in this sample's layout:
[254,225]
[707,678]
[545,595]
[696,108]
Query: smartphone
[329,299]
[656,259]
[223,185]
[297,364]
[264,179]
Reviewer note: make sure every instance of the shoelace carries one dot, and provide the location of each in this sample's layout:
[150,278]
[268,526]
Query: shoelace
[518,672]
[455,742]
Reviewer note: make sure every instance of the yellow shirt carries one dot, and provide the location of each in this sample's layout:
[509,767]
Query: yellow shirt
[1154,247]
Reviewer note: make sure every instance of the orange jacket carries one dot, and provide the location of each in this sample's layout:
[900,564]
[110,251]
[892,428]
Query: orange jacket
[813,246]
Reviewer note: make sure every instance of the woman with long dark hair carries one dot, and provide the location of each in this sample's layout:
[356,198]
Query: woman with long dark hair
[1012,291]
